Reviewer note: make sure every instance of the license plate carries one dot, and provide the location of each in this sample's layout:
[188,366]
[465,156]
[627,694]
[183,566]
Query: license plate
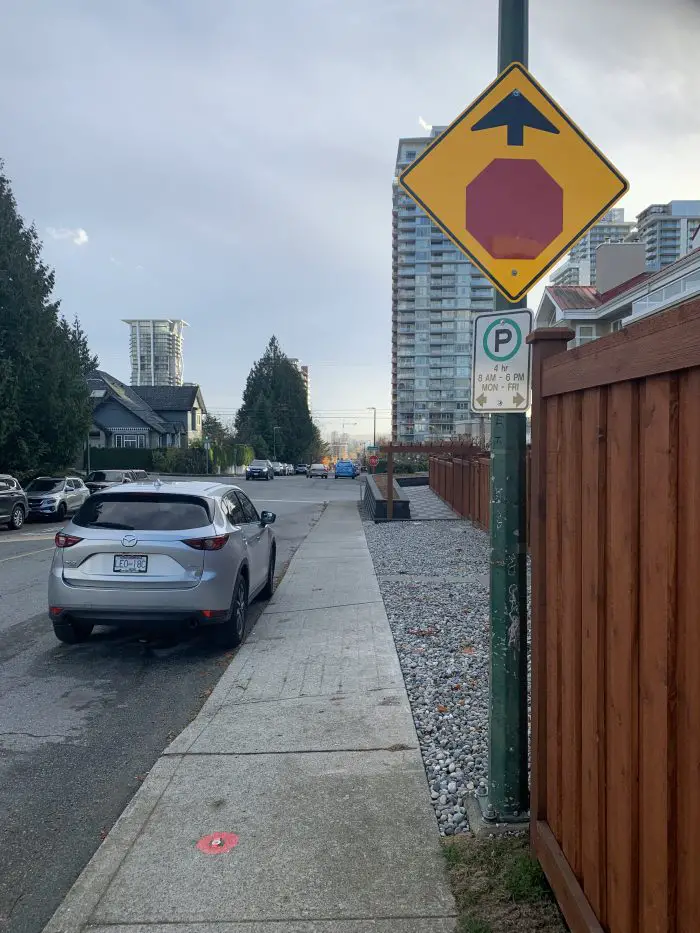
[130,563]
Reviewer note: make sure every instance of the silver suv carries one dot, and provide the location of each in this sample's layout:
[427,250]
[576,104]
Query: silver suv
[55,496]
[162,554]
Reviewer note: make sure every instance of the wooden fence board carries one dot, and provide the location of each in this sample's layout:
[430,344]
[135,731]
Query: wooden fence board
[593,508]
[570,628]
[657,651]
[688,709]
[663,343]
[622,656]
[554,602]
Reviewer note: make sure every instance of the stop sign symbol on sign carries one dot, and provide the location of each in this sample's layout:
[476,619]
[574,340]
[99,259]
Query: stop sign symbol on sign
[373,461]
[515,209]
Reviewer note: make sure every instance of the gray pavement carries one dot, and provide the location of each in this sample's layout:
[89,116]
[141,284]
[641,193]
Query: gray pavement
[427,506]
[81,725]
[307,753]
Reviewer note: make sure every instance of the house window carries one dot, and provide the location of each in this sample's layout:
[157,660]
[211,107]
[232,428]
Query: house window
[194,419]
[118,440]
[142,440]
[585,333]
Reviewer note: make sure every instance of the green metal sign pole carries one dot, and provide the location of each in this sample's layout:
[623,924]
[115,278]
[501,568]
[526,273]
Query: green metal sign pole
[508,797]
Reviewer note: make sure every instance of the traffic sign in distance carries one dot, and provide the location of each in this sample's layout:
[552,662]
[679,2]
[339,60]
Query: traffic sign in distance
[513,182]
[373,461]
[501,362]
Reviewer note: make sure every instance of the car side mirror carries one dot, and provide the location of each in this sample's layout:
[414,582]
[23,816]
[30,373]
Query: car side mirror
[267,518]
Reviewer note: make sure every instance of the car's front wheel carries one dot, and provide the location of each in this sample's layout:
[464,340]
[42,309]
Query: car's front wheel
[231,633]
[269,587]
[61,511]
[71,633]
[17,518]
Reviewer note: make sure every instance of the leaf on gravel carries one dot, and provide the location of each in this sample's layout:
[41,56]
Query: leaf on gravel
[467,649]
[422,631]
[442,709]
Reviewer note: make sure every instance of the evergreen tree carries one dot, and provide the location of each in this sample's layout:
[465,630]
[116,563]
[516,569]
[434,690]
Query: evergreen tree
[275,397]
[45,410]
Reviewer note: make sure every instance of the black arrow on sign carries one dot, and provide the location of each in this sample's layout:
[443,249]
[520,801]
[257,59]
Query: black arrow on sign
[516,112]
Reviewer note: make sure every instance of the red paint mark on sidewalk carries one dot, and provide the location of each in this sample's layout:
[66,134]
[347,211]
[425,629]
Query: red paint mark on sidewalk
[217,842]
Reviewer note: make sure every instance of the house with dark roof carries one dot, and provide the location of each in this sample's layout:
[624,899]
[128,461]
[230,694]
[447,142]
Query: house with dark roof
[122,417]
[182,405]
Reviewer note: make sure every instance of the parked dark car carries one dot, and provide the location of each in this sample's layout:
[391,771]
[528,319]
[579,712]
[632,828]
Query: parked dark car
[104,479]
[13,502]
[260,469]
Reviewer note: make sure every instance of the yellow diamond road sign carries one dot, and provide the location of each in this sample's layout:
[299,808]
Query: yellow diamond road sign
[513,182]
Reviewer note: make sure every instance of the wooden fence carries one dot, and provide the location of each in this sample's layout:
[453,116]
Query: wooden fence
[615,545]
[465,484]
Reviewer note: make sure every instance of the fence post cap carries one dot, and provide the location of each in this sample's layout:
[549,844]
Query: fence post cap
[551,333]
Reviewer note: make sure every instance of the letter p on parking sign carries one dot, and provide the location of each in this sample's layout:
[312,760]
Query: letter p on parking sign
[501,362]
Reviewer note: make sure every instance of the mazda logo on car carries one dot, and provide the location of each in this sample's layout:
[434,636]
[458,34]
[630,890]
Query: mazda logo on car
[129,540]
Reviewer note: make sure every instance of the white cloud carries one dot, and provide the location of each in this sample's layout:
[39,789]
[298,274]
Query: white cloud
[77,235]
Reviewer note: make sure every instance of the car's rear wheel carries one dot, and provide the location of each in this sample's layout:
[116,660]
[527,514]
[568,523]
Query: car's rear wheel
[71,633]
[17,518]
[269,587]
[231,633]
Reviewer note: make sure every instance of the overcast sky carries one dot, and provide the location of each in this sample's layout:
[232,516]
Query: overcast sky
[230,162]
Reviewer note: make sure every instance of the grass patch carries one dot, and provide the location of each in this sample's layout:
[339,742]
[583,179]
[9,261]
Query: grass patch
[499,888]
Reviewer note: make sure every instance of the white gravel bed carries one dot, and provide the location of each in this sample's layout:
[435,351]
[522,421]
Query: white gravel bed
[441,630]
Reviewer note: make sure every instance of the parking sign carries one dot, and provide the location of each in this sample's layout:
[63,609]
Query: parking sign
[501,362]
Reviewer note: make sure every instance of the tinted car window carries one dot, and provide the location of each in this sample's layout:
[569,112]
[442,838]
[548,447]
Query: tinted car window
[249,512]
[106,476]
[259,463]
[145,512]
[234,511]
[139,475]
[46,485]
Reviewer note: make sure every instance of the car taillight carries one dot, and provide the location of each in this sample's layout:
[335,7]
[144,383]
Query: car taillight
[207,544]
[64,540]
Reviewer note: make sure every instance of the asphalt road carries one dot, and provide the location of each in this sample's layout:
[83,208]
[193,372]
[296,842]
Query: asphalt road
[81,725]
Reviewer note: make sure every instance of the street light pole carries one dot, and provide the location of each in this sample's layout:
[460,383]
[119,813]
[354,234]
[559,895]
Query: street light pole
[508,797]
[374,439]
[274,441]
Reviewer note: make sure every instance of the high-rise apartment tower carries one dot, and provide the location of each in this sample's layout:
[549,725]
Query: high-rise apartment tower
[156,351]
[435,292]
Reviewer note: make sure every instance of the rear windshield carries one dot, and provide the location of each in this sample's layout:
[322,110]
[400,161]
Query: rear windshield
[45,485]
[143,512]
[105,476]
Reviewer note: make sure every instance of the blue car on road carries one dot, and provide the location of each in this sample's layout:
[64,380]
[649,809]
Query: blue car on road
[345,468]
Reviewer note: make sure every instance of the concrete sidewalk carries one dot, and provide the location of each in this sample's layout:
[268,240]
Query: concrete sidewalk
[307,752]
